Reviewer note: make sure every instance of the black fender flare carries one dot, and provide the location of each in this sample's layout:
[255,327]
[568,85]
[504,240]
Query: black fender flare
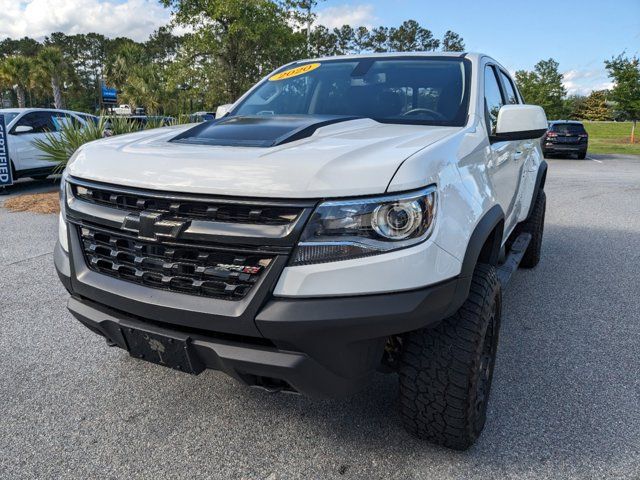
[485,229]
[541,178]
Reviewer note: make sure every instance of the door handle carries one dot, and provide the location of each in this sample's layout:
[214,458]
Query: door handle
[518,154]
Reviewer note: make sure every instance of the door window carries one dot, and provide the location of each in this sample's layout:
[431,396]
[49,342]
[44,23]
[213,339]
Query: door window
[492,99]
[510,91]
[91,119]
[61,120]
[41,122]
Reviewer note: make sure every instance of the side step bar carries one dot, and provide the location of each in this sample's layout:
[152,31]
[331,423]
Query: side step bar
[514,257]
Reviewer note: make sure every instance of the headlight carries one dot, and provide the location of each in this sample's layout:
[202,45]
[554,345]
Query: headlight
[65,193]
[62,222]
[341,230]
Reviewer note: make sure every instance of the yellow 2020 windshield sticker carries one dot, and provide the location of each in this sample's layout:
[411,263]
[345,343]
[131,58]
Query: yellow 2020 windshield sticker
[294,72]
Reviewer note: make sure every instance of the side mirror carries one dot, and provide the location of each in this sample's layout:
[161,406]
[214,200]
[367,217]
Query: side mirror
[520,122]
[20,129]
[222,110]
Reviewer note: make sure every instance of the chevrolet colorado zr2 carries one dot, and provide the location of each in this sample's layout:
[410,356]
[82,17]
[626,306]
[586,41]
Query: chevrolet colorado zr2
[346,215]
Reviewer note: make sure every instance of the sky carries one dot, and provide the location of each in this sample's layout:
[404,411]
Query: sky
[580,35]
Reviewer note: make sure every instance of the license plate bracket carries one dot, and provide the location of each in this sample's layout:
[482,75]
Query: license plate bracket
[172,351]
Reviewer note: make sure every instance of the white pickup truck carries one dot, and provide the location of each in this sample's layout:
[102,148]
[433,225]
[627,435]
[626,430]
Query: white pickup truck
[347,215]
[123,110]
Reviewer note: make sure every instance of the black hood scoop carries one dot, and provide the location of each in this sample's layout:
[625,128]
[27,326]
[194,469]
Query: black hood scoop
[256,131]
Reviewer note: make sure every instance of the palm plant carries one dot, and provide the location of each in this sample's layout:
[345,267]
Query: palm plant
[181,119]
[51,62]
[121,125]
[15,73]
[145,87]
[117,71]
[119,68]
[59,147]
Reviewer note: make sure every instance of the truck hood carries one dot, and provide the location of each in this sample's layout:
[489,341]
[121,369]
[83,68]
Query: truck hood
[348,158]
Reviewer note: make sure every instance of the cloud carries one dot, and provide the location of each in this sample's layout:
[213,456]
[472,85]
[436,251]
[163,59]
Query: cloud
[354,15]
[135,19]
[583,82]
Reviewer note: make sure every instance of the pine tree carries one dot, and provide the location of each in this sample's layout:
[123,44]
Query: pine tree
[595,107]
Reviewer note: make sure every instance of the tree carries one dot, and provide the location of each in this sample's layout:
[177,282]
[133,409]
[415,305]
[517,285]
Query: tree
[50,61]
[344,39]
[300,13]
[231,45]
[543,86]
[322,42]
[411,37]
[238,41]
[85,56]
[625,72]
[146,88]
[25,46]
[379,40]
[117,71]
[15,73]
[573,106]
[360,39]
[452,42]
[121,64]
[162,46]
[594,107]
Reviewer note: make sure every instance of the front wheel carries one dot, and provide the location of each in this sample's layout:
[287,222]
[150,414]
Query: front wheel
[446,371]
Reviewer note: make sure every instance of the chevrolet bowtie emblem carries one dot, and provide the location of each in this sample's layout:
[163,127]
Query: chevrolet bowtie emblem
[153,226]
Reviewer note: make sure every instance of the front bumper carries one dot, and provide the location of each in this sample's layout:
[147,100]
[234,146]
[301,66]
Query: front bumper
[324,347]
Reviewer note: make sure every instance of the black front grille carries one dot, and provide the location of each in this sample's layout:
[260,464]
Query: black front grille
[203,209]
[186,269]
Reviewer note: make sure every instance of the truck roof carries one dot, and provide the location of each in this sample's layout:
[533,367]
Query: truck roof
[471,55]
[38,109]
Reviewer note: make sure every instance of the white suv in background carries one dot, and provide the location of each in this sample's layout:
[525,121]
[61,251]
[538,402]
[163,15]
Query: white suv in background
[347,215]
[24,125]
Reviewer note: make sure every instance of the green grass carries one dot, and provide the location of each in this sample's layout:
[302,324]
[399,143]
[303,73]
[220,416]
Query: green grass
[612,137]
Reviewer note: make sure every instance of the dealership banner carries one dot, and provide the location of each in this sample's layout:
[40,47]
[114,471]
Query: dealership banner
[109,96]
[5,164]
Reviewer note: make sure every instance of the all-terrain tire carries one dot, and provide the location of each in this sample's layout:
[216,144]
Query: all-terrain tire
[446,371]
[535,226]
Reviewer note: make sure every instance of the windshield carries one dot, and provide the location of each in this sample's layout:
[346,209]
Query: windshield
[8,117]
[428,91]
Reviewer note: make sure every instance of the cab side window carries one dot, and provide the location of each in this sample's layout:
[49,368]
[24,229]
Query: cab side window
[89,119]
[61,120]
[41,122]
[509,89]
[492,99]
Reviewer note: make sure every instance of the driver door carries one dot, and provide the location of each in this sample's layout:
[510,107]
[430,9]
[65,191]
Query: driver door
[506,158]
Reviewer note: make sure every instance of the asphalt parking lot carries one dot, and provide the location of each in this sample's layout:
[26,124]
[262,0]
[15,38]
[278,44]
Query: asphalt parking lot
[565,400]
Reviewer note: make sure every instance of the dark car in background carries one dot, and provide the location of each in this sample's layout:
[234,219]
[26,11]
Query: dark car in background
[565,137]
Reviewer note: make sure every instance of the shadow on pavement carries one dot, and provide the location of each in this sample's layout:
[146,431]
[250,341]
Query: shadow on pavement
[27,185]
